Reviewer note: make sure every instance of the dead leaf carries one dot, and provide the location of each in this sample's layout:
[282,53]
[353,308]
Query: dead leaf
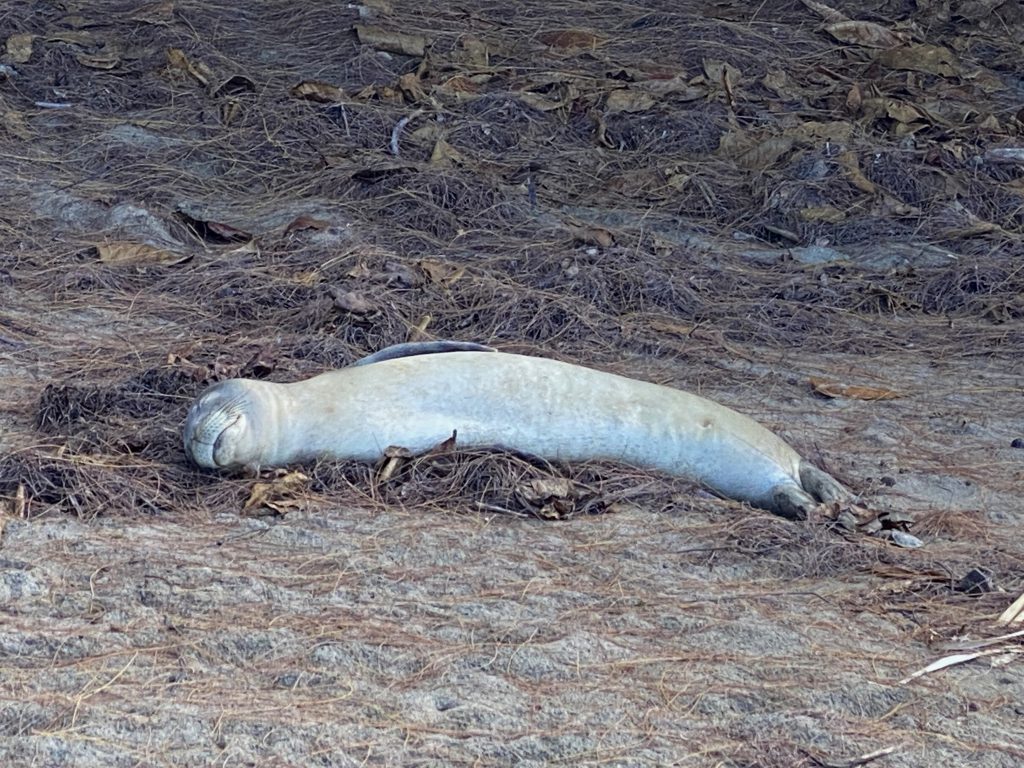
[827,14]
[627,100]
[571,39]
[548,497]
[314,90]
[444,154]
[590,235]
[779,81]
[431,131]
[834,389]
[901,111]
[304,222]
[83,37]
[722,74]
[100,60]
[825,213]
[864,33]
[14,123]
[854,99]
[765,154]
[19,47]
[402,275]
[199,71]
[123,254]
[160,14]
[359,271]
[392,42]
[351,301]
[262,363]
[664,326]
[849,161]
[477,54]
[276,496]
[539,102]
[932,59]
[442,272]
[814,131]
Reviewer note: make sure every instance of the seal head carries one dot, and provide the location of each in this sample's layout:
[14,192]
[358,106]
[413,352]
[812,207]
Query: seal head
[221,429]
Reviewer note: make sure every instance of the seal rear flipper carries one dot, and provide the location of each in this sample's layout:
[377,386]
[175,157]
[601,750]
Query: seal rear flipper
[791,502]
[413,348]
[821,485]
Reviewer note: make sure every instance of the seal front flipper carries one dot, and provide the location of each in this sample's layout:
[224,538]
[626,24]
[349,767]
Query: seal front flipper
[413,348]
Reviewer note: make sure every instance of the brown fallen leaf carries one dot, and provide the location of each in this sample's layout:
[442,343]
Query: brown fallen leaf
[100,60]
[722,74]
[442,272]
[351,301]
[123,254]
[827,14]
[303,222]
[900,111]
[552,498]
[589,235]
[402,275]
[359,271]
[627,100]
[931,59]
[475,52]
[864,33]
[179,60]
[411,87]
[825,213]
[276,496]
[779,81]
[540,102]
[571,39]
[314,90]
[444,154]
[392,42]
[13,122]
[851,164]
[159,14]
[766,154]
[262,363]
[665,326]
[19,47]
[835,389]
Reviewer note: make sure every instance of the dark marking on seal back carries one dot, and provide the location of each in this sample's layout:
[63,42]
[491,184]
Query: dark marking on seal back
[413,348]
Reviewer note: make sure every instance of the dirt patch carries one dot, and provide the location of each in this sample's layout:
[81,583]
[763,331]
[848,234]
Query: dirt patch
[728,199]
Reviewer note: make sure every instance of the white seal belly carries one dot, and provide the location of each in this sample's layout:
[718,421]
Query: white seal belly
[534,405]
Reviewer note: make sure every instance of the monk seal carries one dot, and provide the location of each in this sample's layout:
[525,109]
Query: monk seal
[415,396]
